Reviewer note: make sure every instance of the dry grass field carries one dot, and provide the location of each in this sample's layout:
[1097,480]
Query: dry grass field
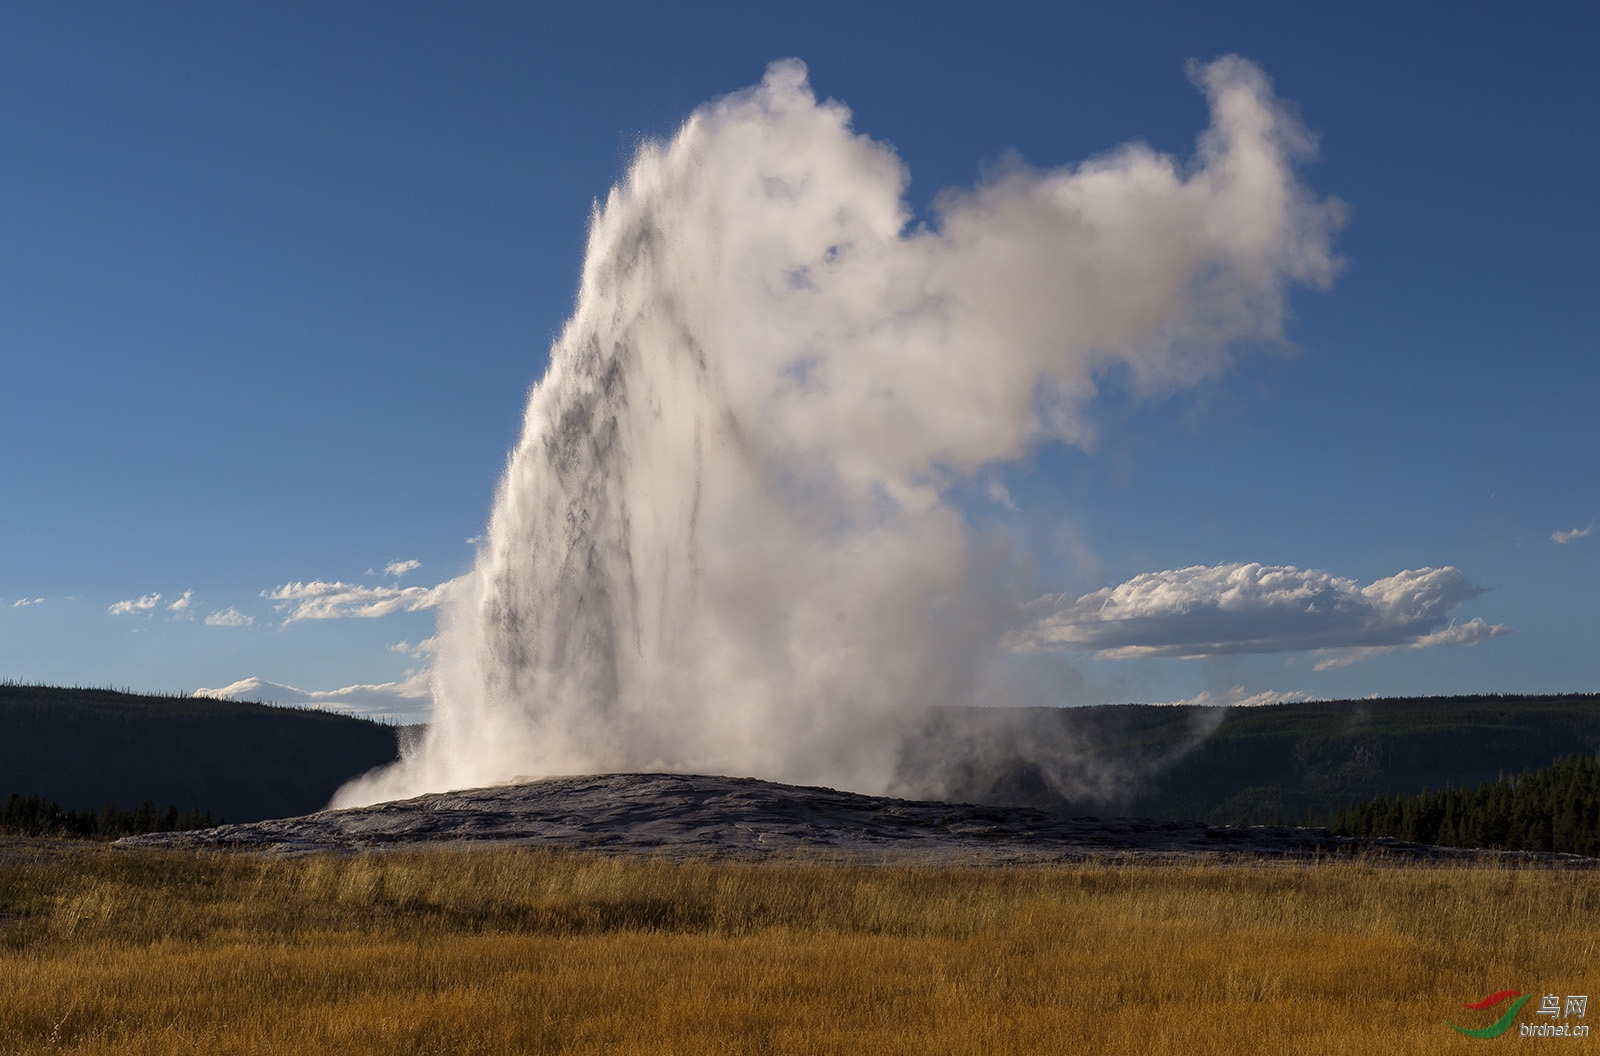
[113,951]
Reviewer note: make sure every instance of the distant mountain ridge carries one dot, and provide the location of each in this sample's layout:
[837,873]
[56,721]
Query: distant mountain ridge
[85,748]
[1284,763]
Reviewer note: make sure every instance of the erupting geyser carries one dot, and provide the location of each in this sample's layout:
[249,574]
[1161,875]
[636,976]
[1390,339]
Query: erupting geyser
[725,542]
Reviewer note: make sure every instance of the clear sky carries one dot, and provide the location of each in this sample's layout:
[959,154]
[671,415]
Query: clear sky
[275,280]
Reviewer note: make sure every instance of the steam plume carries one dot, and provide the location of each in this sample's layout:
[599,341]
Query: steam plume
[725,541]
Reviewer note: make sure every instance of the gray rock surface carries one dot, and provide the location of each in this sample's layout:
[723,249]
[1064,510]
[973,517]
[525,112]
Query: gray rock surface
[686,816]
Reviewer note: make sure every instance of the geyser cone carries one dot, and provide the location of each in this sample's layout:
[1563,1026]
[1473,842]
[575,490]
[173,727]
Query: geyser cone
[725,542]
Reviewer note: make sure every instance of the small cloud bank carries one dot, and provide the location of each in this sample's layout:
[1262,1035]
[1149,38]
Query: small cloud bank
[319,600]
[400,568]
[1233,697]
[1470,633]
[1563,538]
[406,701]
[229,617]
[22,603]
[180,608]
[1251,608]
[133,606]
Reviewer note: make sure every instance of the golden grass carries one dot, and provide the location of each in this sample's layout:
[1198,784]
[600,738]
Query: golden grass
[110,951]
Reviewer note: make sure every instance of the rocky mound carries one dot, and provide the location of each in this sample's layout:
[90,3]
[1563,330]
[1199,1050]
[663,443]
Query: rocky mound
[683,816]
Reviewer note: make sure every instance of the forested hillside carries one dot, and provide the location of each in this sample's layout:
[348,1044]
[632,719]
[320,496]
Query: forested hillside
[86,748]
[1297,762]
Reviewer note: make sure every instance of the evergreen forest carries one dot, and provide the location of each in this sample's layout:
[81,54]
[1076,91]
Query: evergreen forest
[1556,808]
[35,816]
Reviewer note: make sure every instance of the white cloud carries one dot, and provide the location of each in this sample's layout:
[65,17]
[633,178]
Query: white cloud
[22,603]
[1234,697]
[319,600]
[1577,533]
[400,568]
[1252,608]
[135,605]
[229,617]
[180,609]
[421,649]
[406,700]
[1470,633]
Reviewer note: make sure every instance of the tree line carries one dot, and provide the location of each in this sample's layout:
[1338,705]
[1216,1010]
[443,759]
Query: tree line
[1555,808]
[85,748]
[35,816]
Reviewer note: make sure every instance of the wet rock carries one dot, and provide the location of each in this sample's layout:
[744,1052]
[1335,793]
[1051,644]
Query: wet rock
[688,816]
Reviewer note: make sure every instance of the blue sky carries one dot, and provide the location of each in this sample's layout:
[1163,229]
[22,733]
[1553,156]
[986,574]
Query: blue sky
[275,279]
